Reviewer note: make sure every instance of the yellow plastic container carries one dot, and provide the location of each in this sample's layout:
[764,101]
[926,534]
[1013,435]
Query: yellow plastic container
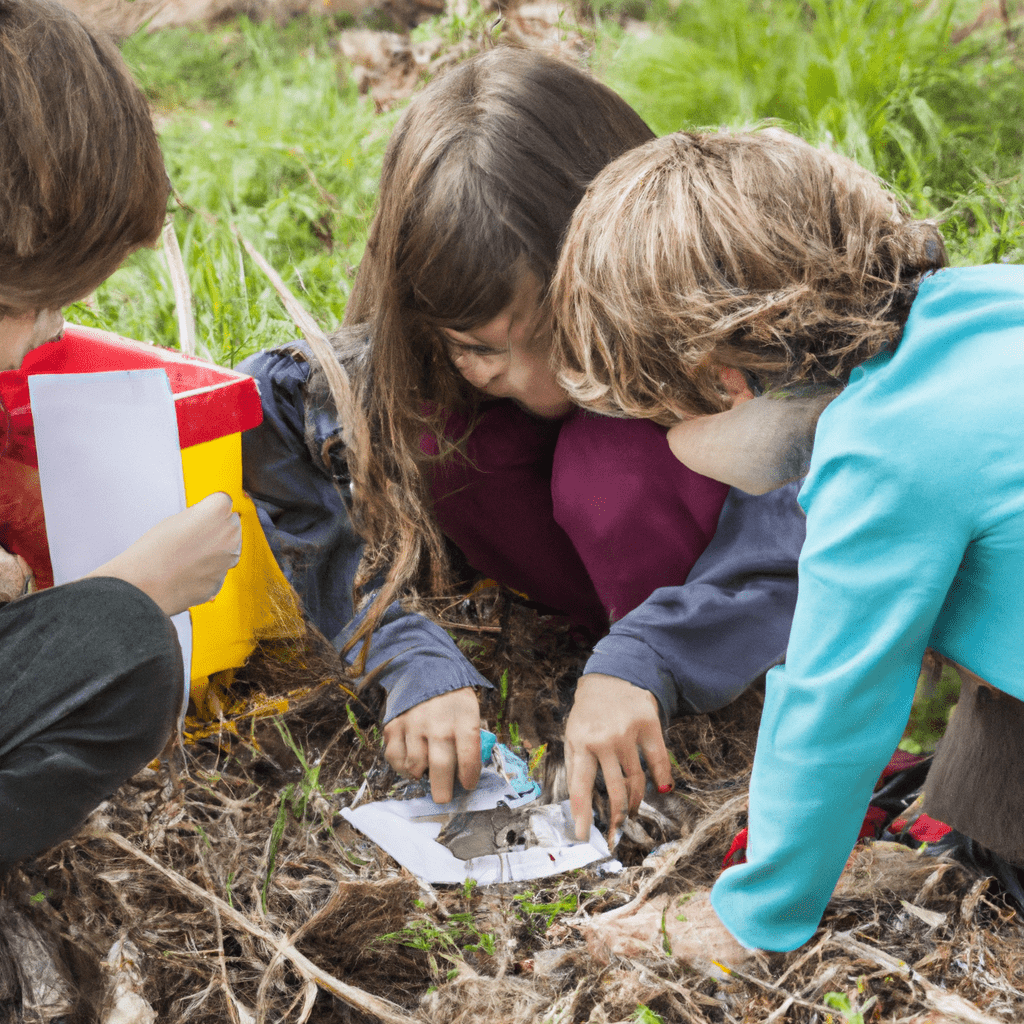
[213,405]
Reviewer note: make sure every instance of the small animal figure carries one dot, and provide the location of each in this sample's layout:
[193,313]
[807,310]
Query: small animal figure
[498,829]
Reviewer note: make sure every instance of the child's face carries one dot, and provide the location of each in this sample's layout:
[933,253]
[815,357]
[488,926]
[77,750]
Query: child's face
[509,356]
[22,332]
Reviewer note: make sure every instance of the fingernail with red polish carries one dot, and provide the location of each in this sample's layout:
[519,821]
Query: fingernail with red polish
[666,789]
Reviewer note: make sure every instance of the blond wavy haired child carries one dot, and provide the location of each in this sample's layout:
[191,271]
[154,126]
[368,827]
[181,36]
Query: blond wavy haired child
[700,260]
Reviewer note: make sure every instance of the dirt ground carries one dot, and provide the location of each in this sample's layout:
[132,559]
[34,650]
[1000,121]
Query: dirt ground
[226,886]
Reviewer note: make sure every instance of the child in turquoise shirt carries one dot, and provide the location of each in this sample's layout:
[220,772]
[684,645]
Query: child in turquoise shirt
[698,262]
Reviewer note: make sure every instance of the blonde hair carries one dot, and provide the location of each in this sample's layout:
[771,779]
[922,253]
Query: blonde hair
[82,179]
[478,184]
[751,250]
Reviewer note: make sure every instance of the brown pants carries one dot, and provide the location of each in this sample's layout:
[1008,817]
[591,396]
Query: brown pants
[974,784]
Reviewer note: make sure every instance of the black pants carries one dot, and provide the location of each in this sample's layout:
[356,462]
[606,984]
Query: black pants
[91,682]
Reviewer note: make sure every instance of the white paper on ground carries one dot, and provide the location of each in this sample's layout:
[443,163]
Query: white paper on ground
[109,467]
[392,825]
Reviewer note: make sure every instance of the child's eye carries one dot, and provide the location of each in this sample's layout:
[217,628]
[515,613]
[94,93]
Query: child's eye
[475,350]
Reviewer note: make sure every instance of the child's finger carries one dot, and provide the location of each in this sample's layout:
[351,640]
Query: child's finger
[216,503]
[659,765]
[442,770]
[394,748]
[581,793]
[416,756]
[467,744]
[618,793]
[636,783]
[234,545]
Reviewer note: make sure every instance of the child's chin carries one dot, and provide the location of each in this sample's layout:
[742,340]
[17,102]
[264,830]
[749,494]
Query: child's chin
[552,411]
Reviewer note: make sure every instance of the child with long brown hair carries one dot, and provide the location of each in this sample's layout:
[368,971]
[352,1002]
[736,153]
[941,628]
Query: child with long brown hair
[701,257]
[456,432]
[92,675]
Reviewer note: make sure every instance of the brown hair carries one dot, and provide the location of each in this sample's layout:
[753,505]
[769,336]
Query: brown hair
[749,250]
[478,184]
[82,180]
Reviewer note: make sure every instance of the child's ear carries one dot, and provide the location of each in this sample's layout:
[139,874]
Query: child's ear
[735,384]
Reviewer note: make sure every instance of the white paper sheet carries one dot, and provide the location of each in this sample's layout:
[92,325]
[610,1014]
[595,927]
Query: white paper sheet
[109,467]
[392,825]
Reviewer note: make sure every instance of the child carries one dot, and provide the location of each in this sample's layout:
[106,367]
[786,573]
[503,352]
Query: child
[466,437]
[699,257]
[92,673]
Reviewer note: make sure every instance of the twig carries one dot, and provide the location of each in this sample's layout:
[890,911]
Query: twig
[675,852]
[791,997]
[310,328]
[182,291]
[222,961]
[938,998]
[382,1009]
[337,378]
[804,957]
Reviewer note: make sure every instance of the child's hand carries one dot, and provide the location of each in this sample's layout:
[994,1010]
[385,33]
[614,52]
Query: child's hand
[182,561]
[610,723]
[685,927]
[15,576]
[440,735]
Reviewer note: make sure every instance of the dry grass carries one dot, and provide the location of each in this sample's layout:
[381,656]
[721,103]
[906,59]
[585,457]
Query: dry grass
[242,895]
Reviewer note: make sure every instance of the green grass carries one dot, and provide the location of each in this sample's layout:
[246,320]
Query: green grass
[265,134]
[261,133]
[881,82]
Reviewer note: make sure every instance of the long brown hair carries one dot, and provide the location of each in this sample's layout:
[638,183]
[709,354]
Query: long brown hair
[479,181]
[82,180]
[751,250]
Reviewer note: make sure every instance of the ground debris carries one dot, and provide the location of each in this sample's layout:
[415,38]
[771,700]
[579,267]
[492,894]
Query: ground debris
[227,887]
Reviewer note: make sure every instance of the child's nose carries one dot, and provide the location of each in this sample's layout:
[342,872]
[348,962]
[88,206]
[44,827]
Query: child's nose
[489,377]
[520,376]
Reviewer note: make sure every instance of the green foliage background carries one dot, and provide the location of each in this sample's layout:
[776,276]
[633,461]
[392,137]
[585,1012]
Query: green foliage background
[264,131]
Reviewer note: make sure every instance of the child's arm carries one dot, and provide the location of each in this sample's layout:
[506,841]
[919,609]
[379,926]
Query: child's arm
[431,702]
[182,561]
[885,539]
[697,647]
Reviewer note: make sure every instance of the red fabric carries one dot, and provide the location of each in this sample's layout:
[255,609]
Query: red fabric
[588,516]
[874,823]
[900,761]
[638,517]
[495,503]
[737,852]
[923,830]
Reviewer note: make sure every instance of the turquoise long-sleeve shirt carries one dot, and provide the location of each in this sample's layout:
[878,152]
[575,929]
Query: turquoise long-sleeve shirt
[915,537]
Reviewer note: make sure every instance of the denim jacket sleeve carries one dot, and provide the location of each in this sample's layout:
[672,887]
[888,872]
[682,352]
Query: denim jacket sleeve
[696,647]
[304,513]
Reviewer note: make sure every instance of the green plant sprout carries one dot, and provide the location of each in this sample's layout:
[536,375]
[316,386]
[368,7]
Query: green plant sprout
[276,835]
[353,721]
[564,904]
[447,941]
[645,1015]
[851,1012]
[310,781]
[666,945]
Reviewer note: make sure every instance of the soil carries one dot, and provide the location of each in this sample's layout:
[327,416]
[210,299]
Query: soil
[224,884]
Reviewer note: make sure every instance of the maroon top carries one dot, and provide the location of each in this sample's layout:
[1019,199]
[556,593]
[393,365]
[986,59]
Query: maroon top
[587,516]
